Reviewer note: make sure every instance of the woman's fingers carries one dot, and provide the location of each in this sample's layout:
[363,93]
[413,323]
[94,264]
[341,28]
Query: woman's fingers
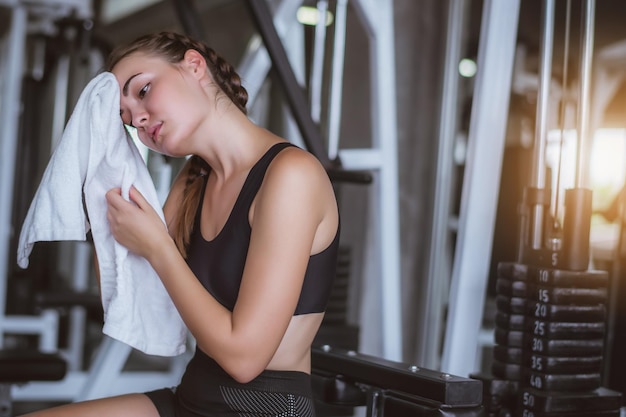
[133,223]
[113,196]
[115,199]
[137,197]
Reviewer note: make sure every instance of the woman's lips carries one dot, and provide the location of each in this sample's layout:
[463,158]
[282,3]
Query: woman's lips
[154,132]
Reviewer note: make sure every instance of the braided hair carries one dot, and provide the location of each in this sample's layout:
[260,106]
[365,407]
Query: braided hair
[172,46]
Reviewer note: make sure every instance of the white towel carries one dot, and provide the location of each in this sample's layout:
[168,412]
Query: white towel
[94,155]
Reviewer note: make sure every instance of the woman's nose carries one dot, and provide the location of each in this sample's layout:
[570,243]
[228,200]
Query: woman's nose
[140,118]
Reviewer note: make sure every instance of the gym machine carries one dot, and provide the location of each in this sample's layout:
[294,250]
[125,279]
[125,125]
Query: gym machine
[48,52]
[347,379]
[551,308]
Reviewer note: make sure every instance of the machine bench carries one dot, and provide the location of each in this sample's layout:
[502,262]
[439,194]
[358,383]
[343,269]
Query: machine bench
[391,389]
[19,366]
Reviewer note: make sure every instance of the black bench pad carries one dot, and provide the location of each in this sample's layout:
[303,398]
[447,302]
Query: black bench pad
[25,365]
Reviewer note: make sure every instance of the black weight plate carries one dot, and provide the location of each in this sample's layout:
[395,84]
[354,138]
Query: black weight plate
[563,364]
[511,305]
[497,392]
[600,399]
[558,382]
[511,338]
[529,413]
[506,354]
[511,288]
[577,296]
[565,278]
[564,347]
[565,330]
[560,312]
[507,370]
[511,321]
[513,270]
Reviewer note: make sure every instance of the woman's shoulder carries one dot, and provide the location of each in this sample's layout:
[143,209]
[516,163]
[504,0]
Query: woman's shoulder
[297,184]
[295,174]
[294,160]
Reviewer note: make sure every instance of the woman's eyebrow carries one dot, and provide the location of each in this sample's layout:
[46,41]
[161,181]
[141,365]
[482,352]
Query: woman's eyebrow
[125,88]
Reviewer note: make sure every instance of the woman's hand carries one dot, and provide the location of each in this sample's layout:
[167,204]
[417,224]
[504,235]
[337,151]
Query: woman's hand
[135,224]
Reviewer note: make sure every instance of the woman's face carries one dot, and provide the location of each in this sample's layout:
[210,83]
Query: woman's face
[162,101]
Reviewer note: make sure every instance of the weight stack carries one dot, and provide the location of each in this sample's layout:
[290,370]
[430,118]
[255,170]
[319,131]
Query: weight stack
[549,343]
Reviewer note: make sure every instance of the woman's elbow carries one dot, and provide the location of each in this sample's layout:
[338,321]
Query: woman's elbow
[243,362]
[243,370]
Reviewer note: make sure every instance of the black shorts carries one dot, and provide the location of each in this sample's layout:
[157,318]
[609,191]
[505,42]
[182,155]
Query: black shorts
[207,390]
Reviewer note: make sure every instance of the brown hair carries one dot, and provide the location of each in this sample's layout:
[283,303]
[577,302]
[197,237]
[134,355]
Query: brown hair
[172,47]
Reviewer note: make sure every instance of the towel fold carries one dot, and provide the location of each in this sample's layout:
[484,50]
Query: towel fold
[95,154]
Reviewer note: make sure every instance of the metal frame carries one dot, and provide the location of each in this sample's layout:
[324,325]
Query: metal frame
[291,88]
[9,121]
[384,242]
[439,269]
[112,355]
[480,186]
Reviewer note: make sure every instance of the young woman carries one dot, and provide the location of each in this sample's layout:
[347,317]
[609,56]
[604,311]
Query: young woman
[250,248]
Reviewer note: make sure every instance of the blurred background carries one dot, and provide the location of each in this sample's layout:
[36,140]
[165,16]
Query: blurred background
[428,114]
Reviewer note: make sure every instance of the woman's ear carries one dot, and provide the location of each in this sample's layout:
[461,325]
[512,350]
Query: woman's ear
[195,63]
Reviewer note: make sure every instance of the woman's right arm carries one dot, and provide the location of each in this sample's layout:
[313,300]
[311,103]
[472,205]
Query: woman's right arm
[169,208]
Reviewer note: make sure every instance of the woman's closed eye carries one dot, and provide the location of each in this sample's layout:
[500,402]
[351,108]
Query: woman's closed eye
[144,90]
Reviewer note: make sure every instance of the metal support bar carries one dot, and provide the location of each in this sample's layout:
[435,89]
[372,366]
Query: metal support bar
[336,80]
[45,326]
[317,67]
[431,324]
[292,90]
[481,184]
[256,63]
[377,19]
[538,179]
[9,120]
[108,363]
[6,406]
[586,60]
[578,201]
[189,18]
[296,98]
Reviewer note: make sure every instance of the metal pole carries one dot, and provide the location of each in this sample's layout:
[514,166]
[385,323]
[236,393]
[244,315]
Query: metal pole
[385,137]
[479,199]
[336,81]
[538,173]
[189,18]
[438,270]
[578,200]
[583,105]
[317,67]
[9,122]
[256,62]
[293,91]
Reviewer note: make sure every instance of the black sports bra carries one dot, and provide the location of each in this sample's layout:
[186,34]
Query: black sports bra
[219,263]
